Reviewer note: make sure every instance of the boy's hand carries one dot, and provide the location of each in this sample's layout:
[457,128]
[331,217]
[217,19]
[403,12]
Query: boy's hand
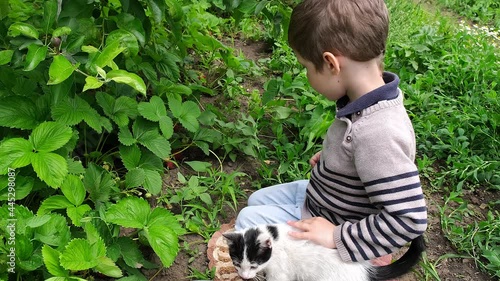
[315,159]
[317,229]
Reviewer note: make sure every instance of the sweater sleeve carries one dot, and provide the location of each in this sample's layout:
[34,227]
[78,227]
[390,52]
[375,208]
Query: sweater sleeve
[384,159]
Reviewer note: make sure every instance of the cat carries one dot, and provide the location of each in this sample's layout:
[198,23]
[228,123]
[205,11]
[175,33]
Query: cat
[269,249]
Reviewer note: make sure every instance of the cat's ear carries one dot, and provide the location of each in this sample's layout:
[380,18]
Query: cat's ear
[268,243]
[231,237]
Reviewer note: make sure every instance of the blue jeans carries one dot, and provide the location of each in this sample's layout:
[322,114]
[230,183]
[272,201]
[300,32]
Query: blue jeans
[275,204]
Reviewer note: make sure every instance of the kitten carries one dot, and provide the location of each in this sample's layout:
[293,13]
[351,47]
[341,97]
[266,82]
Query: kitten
[269,249]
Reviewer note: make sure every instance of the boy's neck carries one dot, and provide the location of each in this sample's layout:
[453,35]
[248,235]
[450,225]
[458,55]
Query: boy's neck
[361,77]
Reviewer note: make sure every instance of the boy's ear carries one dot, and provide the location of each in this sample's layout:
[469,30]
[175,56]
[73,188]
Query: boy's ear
[332,62]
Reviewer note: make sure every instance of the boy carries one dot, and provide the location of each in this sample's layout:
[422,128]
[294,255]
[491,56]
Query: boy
[364,195]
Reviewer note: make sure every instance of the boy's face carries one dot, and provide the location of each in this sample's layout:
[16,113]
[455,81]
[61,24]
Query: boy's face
[325,82]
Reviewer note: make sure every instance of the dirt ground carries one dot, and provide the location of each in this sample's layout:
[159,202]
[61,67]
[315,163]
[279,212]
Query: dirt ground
[449,269]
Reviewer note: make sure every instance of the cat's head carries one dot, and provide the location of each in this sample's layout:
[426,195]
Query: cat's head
[250,250]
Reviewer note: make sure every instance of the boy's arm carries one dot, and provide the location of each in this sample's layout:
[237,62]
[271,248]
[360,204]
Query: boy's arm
[385,165]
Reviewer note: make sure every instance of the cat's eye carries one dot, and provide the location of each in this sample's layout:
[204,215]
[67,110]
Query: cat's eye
[253,267]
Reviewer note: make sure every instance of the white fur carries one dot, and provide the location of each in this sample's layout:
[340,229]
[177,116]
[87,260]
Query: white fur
[302,260]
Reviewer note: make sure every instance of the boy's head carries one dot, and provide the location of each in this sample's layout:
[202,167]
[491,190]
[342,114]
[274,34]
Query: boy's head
[356,29]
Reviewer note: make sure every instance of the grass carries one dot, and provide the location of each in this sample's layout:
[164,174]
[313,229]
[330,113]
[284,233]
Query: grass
[449,74]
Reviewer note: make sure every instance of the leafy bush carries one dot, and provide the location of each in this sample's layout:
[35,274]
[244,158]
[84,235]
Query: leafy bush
[95,97]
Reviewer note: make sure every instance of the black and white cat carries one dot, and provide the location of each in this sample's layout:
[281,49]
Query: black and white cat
[269,249]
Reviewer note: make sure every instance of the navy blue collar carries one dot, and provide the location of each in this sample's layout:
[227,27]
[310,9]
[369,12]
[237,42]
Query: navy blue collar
[387,92]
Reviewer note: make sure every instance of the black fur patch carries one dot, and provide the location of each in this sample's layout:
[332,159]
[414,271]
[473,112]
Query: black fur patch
[236,247]
[274,231]
[256,252]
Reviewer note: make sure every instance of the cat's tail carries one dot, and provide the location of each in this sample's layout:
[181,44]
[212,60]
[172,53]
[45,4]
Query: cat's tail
[402,265]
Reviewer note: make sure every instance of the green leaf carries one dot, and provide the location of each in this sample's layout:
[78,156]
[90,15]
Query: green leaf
[126,39]
[60,69]
[69,111]
[75,167]
[50,136]
[54,202]
[94,120]
[23,187]
[109,53]
[205,197]
[156,8]
[129,212]
[72,111]
[37,221]
[90,49]
[107,267]
[164,242]
[91,231]
[199,166]
[61,31]
[135,178]
[21,28]
[131,79]
[92,82]
[24,248]
[55,232]
[162,216]
[130,252]
[133,25]
[79,254]
[153,182]
[74,45]
[156,143]
[162,233]
[76,213]
[36,54]
[175,9]
[51,261]
[153,110]
[35,260]
[49,14]
[50,167]
[66,279]
[6,56]
[119,110]
[22,214]
[125,136]
[166,126]
[125,105]
[98,183]
[4,9]
[131,156]
[106,102]
[149,161]
[18,112]
[14,153]
[73,189]
[187,113]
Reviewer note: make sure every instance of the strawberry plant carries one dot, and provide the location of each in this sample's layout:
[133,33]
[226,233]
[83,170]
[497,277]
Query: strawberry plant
[95,97]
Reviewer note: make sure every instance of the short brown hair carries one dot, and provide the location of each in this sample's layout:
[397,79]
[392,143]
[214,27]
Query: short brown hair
[356,29]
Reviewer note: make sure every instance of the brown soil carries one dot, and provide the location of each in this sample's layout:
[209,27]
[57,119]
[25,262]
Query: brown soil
[449,269]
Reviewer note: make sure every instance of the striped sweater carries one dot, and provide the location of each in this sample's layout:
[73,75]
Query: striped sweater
[366,181]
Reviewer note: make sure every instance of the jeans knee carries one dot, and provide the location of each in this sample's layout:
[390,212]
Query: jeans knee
[245,218]
[255,199]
